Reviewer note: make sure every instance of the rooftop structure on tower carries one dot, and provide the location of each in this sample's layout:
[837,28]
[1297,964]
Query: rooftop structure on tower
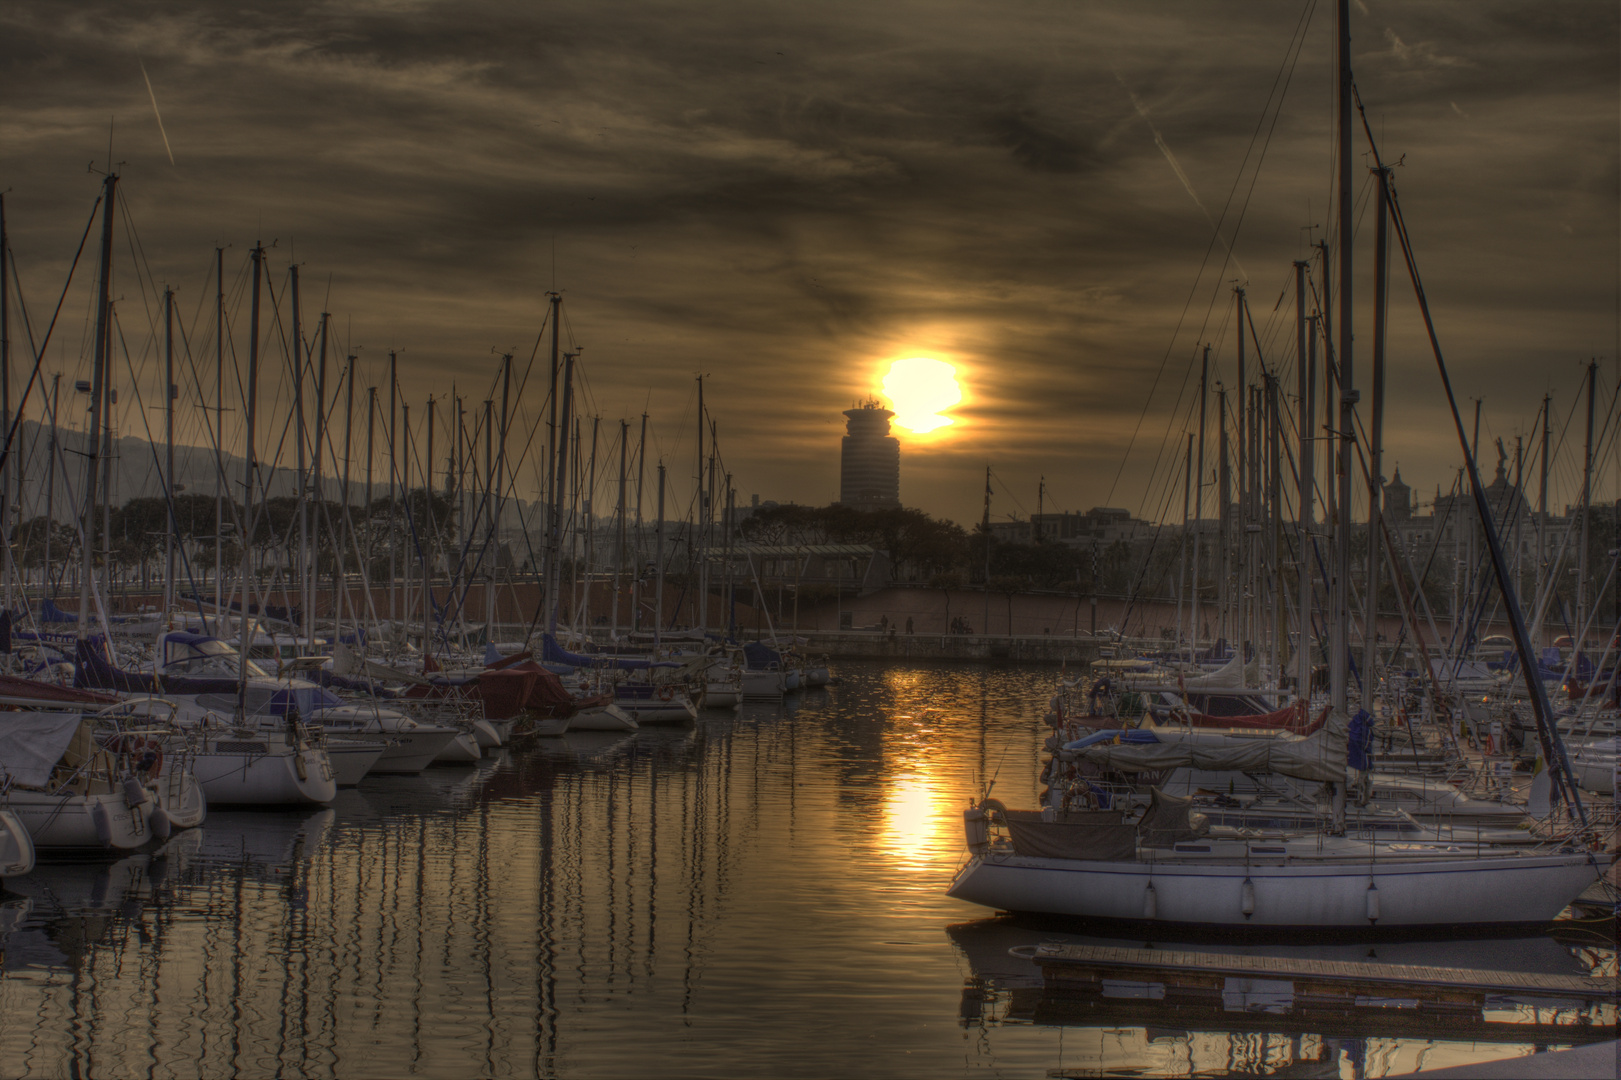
[870,460]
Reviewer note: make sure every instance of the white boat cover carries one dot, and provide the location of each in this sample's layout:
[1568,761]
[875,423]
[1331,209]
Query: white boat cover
[345,662]
[31,743]
[1318,756]
[1233,673]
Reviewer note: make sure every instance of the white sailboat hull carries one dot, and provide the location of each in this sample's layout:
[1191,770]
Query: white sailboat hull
[352,759]
[461,750]
[68,822]
[180,795]
[606,718]
[762,685]
[16,846]
[1418,893]
[257,777]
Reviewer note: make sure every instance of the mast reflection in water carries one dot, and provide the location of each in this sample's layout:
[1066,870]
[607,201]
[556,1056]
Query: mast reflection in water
[759,894]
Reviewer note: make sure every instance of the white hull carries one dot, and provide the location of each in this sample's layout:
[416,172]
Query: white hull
[461,750]
[405,753]
[180,795]
[726,695]
[16,846]
[606,718]
[249,777]
[550,727]
[678,710]
[487,737]
[70,821]
[762,685]
[352,760]
[1421,892]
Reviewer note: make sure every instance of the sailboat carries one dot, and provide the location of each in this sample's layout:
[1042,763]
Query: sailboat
[1144,857]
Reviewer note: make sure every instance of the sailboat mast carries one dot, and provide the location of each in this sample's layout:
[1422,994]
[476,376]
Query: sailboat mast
[170,392]
[339,578]
[1587,502]
[1225,513]
[559,487]
[50,489]
[219,433]
[393,484]
[1182,553]
[1339,653]
[619,548]
[703,522]
[248,471]
[548,492]
[636,576]
[658,567]
[429,539]
[318,488]
[5,387]
[371,498]
[1376,434]
[1304,333]
[1198,500]
[97,379]
[300,460]
[1240,540]
[404,483]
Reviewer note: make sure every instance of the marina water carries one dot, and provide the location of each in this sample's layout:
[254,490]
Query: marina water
[761,893]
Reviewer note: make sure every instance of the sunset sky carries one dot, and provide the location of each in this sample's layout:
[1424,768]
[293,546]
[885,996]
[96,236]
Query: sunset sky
[789,197]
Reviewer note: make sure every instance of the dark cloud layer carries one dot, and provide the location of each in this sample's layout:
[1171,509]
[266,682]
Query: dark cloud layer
[783,196]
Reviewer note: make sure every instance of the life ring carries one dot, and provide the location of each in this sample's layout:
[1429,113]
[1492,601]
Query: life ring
[666,693]
[145,755]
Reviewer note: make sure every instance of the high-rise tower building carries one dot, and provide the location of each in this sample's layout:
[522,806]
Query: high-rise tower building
[870,463]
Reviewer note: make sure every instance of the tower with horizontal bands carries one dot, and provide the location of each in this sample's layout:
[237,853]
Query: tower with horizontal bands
[870,460]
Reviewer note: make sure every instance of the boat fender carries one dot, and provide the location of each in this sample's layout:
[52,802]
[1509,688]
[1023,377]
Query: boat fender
[158,821]
[1053,720]
[1373,902]
[1247,904]
[103,824]
[1150,902]
[298,764]
[975,830]
[135,793]
[1049,813]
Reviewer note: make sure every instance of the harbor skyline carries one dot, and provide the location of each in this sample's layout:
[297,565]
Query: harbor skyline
[789,201]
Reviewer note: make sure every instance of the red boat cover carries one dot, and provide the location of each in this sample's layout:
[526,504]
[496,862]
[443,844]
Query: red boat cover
[547,695]
[504,692]
[16,686]
[1293,719]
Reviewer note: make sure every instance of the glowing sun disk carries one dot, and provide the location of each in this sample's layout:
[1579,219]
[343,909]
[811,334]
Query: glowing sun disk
[921,389]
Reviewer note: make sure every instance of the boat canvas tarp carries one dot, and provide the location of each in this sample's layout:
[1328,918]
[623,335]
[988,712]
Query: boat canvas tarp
[1318,756]
[1075,834]
[31,743]
[1169,820]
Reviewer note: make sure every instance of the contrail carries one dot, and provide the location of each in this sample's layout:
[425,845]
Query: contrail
[1176,167]
[165,134]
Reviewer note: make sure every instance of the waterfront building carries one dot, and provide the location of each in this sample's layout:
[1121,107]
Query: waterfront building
[870,460]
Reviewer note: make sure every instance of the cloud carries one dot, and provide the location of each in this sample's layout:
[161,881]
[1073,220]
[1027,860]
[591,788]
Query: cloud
[786,196]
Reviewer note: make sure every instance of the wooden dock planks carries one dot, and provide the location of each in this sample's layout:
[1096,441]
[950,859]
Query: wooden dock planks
[1077,965]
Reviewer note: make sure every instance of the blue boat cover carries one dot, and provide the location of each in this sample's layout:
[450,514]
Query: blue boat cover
[1113,738]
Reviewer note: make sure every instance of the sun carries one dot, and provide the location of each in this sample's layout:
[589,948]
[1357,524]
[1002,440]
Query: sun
[920,389]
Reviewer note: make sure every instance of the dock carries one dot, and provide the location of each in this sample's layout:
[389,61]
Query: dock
[1281,983]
